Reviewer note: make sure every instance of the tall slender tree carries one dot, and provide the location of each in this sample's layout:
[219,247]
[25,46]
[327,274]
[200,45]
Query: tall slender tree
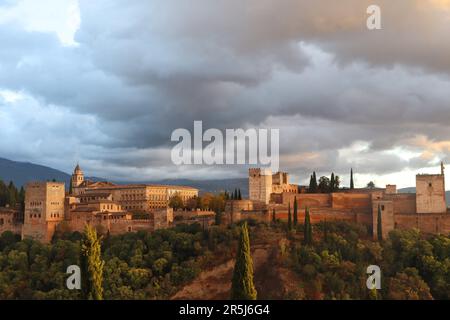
[242,287]
[274,217]
[70,187]
[307,232]
[379,225]
[332,182]
[311,185]
[314,182]
[91,265]
[239,194]
[235,197]
[218,217]
[13,195]
[22,198]
[295,211]
[352,185]
[289,217]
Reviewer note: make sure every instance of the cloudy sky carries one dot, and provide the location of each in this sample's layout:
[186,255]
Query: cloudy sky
[106,82]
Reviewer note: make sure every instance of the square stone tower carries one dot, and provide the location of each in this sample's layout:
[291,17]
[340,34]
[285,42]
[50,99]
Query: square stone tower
[44,210]
[430,193]
[260,184]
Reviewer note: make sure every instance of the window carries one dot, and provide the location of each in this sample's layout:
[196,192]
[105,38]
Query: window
[429,184]
[382,207]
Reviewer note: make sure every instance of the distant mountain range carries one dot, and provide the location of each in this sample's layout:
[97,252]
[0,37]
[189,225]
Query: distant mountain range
[22,172]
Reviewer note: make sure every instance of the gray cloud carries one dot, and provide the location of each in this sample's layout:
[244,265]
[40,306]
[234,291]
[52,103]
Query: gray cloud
[143,69]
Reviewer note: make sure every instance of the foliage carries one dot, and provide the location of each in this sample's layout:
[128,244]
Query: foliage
[414,266]
[91,265]
[10,195]
[307,231]
[138,265]
[242,287]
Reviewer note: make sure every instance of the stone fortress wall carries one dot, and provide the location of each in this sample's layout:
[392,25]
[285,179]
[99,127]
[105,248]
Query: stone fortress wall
[425,210]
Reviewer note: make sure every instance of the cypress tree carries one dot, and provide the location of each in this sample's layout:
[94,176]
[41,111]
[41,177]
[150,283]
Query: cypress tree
[274,218]
[218,218]
[13,195]
[242,287]
[235,196]
[91,265]
[295,212]
[379,226]
[314,182]
[22,198]
[307,233]
[289,217]
[70,187]
[332,183]
[352,186]
[239,194]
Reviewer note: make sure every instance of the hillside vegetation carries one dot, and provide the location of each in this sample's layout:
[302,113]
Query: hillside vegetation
[189,262]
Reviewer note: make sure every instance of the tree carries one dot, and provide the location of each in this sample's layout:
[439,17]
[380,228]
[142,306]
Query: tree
[379,225]
[218,218]
[337,183]
[307,231]
[12,194]
[371,185]
[324,184]
[239,194]
[313,183]
[176,202]
[289,217]
[235,196]
[242,287]
[70,187]
[352,185]
[22,197]
[373,294]
[274,218]
[332,182]
[91,265]
[295,211]
[408,285]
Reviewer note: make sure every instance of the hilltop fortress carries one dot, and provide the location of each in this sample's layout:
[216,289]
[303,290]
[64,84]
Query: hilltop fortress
[117,209]
[425,210]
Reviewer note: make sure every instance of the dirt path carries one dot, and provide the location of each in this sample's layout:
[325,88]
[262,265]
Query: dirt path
[215,284]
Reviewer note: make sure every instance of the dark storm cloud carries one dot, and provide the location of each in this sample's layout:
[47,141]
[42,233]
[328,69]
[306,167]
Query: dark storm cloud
[144,68]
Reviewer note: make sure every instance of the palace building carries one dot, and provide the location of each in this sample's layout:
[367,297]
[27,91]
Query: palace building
[111,208]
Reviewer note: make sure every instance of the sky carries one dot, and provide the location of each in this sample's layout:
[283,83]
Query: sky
[104,83]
